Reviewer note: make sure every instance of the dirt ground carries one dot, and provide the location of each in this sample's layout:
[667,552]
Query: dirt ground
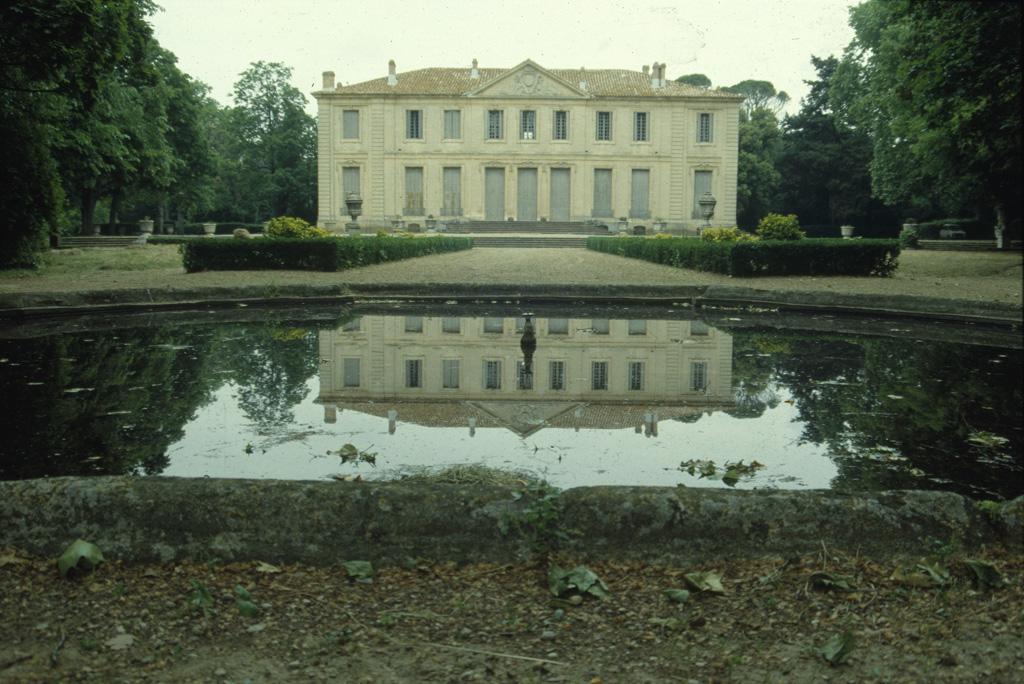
[442,623]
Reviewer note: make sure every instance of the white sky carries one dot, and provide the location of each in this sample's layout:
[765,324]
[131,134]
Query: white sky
[728,40]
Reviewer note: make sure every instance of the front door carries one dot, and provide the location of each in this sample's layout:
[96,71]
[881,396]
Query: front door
[494,194]
[526,207]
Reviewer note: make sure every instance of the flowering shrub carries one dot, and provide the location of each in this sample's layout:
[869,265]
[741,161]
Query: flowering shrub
[287,227]
[662,236]
[733,234]
[779,227]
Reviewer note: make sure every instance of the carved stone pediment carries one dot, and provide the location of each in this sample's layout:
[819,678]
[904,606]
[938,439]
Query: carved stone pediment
[528,80]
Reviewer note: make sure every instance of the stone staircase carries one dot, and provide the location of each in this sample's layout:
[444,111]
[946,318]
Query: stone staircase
[99,241]
[514,234]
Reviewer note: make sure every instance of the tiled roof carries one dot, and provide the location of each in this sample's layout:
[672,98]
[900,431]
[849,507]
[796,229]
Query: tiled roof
[599,82]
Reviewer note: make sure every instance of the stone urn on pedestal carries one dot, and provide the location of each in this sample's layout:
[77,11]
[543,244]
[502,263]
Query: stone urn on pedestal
[209,229]
[847,232]
[354,206]
[146,227]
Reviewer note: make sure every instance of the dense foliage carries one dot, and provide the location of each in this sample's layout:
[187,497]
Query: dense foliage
[761,257]
[779,227]
[310,254]
[288,227]
[733,234]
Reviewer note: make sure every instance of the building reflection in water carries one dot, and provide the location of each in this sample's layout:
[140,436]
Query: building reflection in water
[525,374]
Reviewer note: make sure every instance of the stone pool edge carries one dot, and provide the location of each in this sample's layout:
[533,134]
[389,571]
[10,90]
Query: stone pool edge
[15,306]
[160,519]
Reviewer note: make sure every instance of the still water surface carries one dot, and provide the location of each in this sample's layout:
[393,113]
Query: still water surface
[661,399]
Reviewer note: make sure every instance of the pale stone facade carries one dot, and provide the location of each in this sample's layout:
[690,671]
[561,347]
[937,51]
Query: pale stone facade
[526,143]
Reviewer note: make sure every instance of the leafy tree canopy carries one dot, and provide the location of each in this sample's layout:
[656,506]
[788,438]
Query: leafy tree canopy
[760,95]
[695,79]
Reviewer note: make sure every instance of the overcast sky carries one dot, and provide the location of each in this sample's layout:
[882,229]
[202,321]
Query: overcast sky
[728,40]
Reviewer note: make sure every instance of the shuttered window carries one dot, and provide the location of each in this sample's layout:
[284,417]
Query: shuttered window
[636,375]
[556,369]
[638,327]
[452,200]
[701,184]
[414,324]
[450,373]
[414,191]
[561,125]
[452,124]
[351,372]
[525,380]
[602,193]
[640,132]
[494,325]
[414,373]
[349,180]
[414,123]
[705,125]
[495,124]
[599,375]
[528,125]
[698,376]
[604,126]
[350,124]
[558,326]
[599,326]
[639,191]
[492,374]
[451,324]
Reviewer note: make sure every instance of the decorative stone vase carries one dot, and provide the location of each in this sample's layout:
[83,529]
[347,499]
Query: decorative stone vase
[847,232]
[660,226]
[146,227]
[209,229]
[623,226]
[431,223]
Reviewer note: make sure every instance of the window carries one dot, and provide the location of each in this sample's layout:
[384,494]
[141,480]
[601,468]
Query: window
[350,124]
[349,181]
[698,328]
[452,124]
[704,125]
[451,324]
[450,373]
[527,125]
[604,126]
[636,375]
[414,373]
[558,326]
[602,192]
[414,191]
[640,132]
[698,376]
[525,380]
[351,372]
[494,325]
[414,324]
[638,327]
[599,325]
[452,200]
[414,123]
[599,375]
[561,126]
[495,124]
[353,325]
[556,369]
[701,184]
[492,374]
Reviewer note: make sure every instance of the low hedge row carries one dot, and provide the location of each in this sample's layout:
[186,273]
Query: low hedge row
[821,257]
[321,254]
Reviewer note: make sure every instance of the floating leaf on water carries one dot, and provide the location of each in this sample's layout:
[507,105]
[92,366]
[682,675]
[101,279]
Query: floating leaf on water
[81,554]
[677,595]
[916,472]
[837,649]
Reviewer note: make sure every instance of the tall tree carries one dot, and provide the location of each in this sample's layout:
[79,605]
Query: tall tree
[695,79]
[55,54]
[937,85]
[758,180]
[760,95]
[276,143]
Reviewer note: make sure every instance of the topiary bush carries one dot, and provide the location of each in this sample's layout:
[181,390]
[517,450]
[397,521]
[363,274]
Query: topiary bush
[288,227]
[733,234]
[779,227]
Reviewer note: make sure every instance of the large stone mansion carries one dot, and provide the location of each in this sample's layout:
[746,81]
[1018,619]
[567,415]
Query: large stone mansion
[526,144]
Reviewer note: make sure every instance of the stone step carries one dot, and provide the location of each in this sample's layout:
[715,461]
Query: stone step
[538,227]
[99,241]
[489,241]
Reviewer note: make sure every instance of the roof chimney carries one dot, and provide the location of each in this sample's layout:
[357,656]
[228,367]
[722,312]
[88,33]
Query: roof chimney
[475,73]
[647,69]
[655,79]
[392,78]
[583,78]
[664,83]
[328,80]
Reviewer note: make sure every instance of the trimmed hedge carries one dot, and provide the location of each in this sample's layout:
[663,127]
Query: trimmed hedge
[320,254]
[824,257]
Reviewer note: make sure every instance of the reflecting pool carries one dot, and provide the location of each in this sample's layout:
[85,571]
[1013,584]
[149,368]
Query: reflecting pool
[587,396]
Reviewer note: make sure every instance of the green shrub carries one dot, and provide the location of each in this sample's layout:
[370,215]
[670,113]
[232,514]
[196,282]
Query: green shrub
[779,227]
[299,254]
[288,227]
[908,239]
[733,234]
[826,257]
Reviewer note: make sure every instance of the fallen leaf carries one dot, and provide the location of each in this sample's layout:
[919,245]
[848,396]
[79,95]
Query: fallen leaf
[122,642]
[266,567]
